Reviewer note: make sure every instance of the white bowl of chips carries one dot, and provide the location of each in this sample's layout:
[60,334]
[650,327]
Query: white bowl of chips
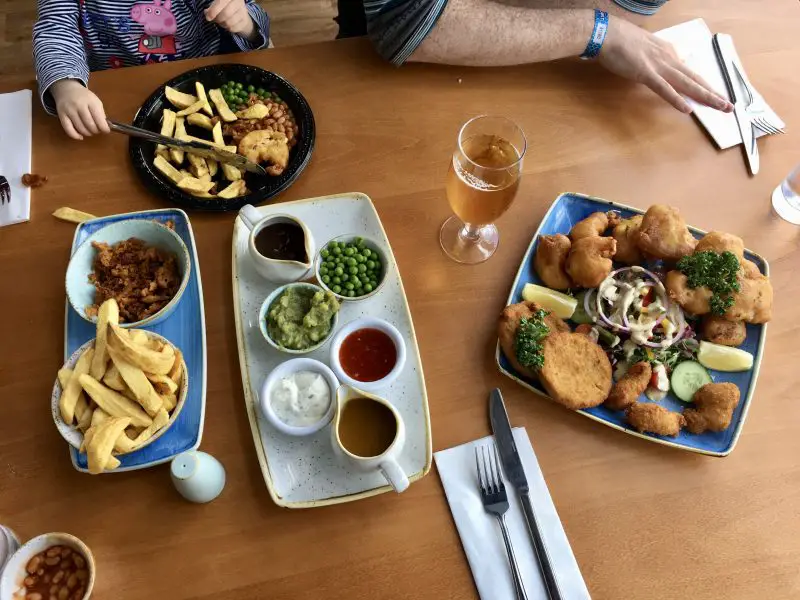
[122,402]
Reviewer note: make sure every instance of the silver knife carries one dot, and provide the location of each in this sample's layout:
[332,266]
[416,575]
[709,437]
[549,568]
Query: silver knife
[512,465]
[200,148]
[729,74]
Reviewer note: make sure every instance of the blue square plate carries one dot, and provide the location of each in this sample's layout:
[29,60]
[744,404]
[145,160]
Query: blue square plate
[567,210]
[186,328]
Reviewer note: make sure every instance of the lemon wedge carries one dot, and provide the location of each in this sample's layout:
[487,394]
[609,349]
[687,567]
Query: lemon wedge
[724,358]
[557,303]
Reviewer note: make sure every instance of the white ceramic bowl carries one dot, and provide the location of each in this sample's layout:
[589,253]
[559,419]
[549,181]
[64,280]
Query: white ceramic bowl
[284,370]
[81,292]
[373,246]
[14,574]
[73,435]
[262,319]
[368,323]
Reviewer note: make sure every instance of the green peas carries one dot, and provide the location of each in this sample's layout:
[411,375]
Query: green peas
[351,262]
[336,280]
[326,279]
[353,270]
[349,251]
[336,251]
[371,265]
[366,252]
[238,86]
[362,268]
[360,258]
[338,271]
[351,294]
[325,253]
[336,289]
[261,92]
[251,88]
[345,277]
[323,270]
[349,286]
[368,288]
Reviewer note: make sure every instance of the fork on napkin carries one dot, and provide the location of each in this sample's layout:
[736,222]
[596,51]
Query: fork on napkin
[15,154]
[693,43]
[483,546]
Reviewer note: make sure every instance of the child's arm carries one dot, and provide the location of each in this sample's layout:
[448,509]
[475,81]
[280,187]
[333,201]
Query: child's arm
[245,19]
[62,70]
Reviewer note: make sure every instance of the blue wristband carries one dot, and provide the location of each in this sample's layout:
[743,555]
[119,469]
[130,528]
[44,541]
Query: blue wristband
[598,35]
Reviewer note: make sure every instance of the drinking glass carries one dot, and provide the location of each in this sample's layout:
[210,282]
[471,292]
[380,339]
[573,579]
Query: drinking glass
[786,198]
[481,184]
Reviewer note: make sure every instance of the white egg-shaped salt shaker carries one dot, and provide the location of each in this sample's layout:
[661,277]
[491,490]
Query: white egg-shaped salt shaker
[198,476]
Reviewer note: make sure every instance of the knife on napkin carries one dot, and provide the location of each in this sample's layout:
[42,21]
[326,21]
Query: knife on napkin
[512,465]
[732,80]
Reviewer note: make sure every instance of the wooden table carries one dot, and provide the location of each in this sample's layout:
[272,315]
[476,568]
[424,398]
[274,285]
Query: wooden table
[644,521]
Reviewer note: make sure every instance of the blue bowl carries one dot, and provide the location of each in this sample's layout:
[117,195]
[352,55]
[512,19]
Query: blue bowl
[81,291]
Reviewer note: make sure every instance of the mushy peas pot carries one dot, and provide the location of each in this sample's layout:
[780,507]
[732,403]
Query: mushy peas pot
[301,317]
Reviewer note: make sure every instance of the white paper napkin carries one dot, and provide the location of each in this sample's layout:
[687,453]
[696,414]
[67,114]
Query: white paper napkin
[15,154]
[480,532]
[693,43]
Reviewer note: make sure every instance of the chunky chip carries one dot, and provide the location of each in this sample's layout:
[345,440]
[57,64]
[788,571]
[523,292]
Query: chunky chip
[114,403]
[70,394]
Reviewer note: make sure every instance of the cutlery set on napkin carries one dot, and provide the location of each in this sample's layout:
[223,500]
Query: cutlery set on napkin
[532,559]
[714,57]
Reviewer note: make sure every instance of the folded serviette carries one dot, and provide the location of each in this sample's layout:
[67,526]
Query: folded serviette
[693,43]
[15,154]
[480,532]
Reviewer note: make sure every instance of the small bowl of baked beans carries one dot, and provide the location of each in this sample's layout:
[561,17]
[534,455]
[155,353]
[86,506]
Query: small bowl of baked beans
[50,566]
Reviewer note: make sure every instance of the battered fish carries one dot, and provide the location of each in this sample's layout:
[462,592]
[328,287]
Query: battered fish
[627,234]
[721,331]
[648,417]
[589,262]
[719,242]
[715,403]
[630,387]
[576,371]
[550,261]
[751,304]
[664,235]
[507,331]
[594,225]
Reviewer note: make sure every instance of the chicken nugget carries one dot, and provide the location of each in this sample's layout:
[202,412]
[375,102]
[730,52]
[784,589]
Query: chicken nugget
[589,262]
[753,302]
[594,225]
[715,403]
[627,234]
[718,241]
[550,261]
[664,235]
[630,387]
[722,331]
[576,371]
[507,331]
[648,417]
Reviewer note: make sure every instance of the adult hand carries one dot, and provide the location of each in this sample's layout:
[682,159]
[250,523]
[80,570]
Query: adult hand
[80,111]
[636,54]
[232,15]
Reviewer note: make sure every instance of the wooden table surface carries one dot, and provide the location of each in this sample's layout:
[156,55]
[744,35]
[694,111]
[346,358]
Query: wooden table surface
[644,521]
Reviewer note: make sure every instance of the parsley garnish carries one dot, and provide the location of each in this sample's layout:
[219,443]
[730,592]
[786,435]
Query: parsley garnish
[528,343]
[717,272]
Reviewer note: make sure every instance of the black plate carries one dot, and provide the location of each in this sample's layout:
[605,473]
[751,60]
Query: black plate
[261,188]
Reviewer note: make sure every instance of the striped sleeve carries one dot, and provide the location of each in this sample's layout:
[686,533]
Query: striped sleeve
[261,19]
[398,27]
[58,50]
[642,7]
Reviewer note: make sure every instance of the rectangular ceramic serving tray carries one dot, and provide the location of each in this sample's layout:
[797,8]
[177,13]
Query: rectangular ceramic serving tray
[302,472]
[567,210]
[185,327]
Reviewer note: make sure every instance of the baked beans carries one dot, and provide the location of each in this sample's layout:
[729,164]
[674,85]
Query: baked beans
[58,573]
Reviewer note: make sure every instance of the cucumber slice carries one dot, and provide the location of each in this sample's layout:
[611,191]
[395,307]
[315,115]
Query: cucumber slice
[579,316]
[688,377]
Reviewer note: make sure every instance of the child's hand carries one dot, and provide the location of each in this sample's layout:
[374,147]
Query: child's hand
[81,112]
[232,15]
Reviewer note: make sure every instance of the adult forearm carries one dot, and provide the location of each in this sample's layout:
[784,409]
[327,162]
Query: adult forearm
[485,33]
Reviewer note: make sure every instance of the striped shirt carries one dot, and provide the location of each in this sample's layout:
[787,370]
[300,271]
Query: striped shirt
[73,37]
[398,27]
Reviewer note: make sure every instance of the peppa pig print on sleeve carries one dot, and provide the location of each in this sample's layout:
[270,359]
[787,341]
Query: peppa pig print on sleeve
[71,38]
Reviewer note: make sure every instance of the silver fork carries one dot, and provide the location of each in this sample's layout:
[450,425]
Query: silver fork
[5,191]
[755,107]
[495,502]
